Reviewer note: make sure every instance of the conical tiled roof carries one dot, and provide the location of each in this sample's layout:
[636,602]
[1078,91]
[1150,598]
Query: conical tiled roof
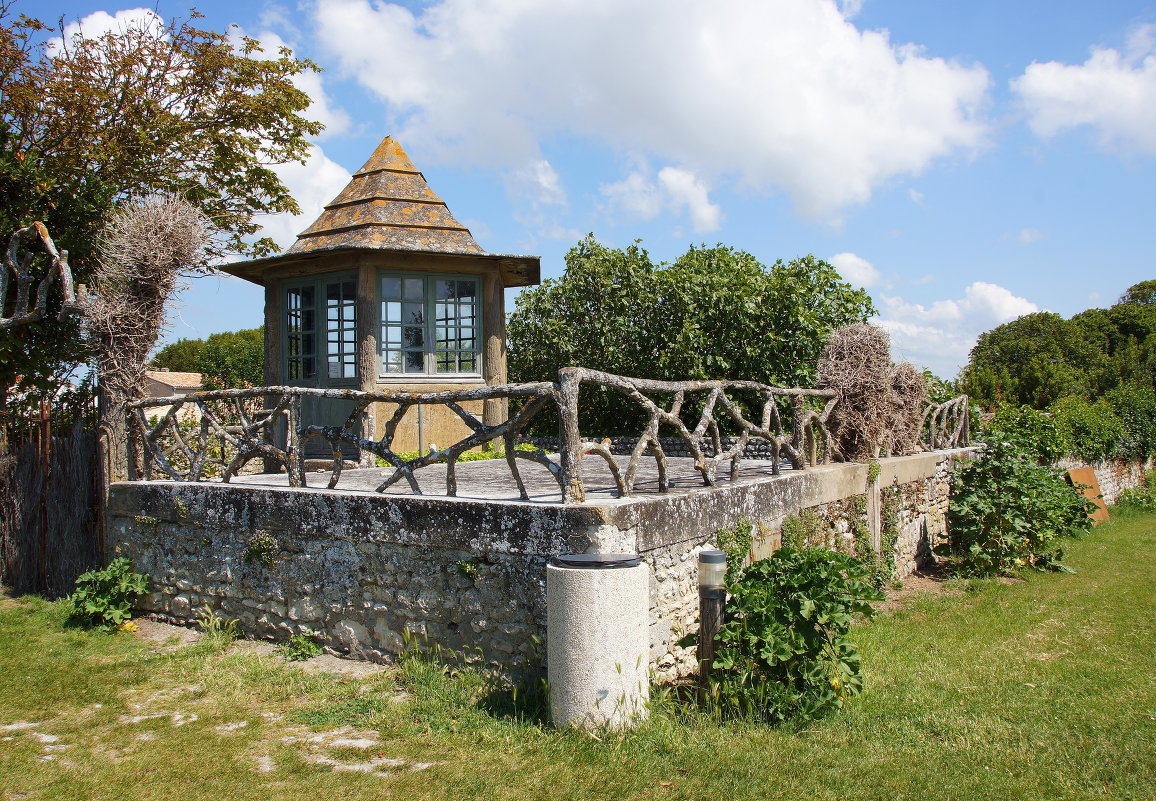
[387,206]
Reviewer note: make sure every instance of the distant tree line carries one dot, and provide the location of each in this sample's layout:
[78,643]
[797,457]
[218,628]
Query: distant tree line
[1095,373]
[225,361]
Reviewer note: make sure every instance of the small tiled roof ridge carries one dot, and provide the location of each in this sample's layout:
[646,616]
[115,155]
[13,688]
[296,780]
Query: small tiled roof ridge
[175,379]
[387,194]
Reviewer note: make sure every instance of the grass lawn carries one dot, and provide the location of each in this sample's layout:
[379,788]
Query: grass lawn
[1036,689]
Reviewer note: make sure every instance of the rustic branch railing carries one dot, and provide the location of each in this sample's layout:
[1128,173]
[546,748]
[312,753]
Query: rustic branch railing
[231,427]
[801,445]
[947,425]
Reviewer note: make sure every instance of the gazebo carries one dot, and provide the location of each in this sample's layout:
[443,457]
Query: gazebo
[386,290]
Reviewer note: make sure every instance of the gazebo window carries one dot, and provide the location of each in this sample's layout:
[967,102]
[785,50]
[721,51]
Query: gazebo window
[314,307]
[430,324]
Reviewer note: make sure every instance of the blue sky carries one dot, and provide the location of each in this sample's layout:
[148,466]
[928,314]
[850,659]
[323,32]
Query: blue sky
[967,162]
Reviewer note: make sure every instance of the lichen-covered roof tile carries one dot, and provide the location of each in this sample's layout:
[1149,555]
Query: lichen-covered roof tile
[387,204]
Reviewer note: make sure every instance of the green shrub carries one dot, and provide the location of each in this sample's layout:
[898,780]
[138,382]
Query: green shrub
[300,647]
[1007,511]
[1092,430]
[103,598]
[1030,429]
[783,652]
[1141,498]
[736,543]
[1136,408]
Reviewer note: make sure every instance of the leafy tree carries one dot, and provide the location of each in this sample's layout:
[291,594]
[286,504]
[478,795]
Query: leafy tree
[716,312]
[180,356]
[1031,361]
[1092,430]
[1143,293]
[153,108]
[233,359]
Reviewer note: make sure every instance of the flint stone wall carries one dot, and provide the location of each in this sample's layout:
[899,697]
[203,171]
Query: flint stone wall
[362,569]
[1113,475]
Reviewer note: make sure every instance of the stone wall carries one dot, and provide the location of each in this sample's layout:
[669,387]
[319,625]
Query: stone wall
[1113,475]
[362,569]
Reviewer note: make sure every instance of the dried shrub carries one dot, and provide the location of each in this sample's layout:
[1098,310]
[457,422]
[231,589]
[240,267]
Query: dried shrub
[910,397]
[857,363]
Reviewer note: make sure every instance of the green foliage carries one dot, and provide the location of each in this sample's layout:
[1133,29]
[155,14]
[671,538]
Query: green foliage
[736,543]
[217,628]
[104,598]
[783,652]
[300,647]
[261,548]
[1141,498]
[1031,361]
[468,568]
[1092,430]
[1007,512]
[798,530]
[873,470]
[1033,431]
[1135,406]
[1041,358]
[179,357]
[716,312]
[233,359]
[139,110]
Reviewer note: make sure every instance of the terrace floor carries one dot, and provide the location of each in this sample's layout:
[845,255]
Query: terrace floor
[491,479]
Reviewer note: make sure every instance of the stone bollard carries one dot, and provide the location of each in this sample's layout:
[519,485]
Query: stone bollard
[598,640]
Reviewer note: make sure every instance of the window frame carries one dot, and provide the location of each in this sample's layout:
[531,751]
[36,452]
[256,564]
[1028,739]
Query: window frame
[320,333]
[429,346]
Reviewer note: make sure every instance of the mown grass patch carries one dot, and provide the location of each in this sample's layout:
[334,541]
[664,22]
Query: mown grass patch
[1039,688]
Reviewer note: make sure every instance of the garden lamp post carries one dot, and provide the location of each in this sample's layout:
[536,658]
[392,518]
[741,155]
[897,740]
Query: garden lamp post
[712,571]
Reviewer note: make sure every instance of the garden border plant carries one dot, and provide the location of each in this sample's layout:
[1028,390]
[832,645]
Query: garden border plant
[104,597]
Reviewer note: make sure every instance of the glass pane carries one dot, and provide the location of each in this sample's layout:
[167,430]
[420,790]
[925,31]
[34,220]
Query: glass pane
[393,312]
[446,363]
[333,368]
[392,361]
[444,290]
[393,335]
[307,320]
[349,370]
[414,288]
[294,369]
[414,313]
[466,289]
[414,337]
[466,363]
[391,288]
[332,292]
[307,297]
[347,291]
[307,345]
[309,367]
[414,361]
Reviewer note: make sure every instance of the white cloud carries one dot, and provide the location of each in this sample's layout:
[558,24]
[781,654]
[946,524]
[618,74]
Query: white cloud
[1113,93]
[855,269]
[850,8]
[686,191]
[322,108]
[540,182]
[916,196]
[786,95]
[1029,236]
[98,23]
[940,335]
[312,185]
[641,196]
[635,197]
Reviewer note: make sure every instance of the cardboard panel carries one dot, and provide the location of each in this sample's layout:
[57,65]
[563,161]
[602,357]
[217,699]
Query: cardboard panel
[1086,476]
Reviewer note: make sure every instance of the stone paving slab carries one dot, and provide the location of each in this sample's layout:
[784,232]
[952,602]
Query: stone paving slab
[491,479]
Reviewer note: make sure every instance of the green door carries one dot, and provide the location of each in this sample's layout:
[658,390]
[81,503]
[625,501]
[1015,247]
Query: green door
[321,350]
